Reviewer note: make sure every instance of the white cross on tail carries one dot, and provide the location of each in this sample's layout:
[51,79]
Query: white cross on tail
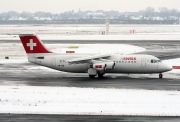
[31,44]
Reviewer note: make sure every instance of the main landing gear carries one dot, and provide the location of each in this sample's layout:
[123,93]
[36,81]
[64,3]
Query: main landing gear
[99,75]
[92,76]
[92,73]
[160,76]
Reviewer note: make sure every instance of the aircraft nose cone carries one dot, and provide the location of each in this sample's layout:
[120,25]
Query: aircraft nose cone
[169,68]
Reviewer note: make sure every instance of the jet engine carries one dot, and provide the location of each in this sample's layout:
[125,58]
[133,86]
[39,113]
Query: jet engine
[110,65]
[104,66]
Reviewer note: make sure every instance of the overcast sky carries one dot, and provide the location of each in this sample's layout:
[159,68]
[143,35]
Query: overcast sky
[57,6]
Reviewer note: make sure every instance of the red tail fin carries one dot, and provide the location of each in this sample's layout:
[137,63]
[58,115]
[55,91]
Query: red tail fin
[32,44]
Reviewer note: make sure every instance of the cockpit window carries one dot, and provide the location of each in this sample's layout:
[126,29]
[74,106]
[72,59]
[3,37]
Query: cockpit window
[155,61]
[151,61]
[159,60]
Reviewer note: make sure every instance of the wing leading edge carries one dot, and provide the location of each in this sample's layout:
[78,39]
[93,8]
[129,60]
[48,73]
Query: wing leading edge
[88,58]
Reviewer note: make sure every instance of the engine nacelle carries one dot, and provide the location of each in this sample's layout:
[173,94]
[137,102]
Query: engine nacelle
[110,65]
[99,66]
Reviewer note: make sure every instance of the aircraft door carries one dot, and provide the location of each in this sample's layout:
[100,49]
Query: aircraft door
[157,65]
[143,62]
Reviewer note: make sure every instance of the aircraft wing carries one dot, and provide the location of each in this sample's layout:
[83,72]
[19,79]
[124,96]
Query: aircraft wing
[88,58]
[163,54]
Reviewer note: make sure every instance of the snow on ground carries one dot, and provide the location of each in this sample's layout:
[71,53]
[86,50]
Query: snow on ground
[89,29]
[155,37]
[17,61]
[93,32]
[88,101]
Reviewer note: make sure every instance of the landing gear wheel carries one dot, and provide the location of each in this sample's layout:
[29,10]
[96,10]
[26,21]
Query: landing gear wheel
[92,76]
[160,76]
[100,75]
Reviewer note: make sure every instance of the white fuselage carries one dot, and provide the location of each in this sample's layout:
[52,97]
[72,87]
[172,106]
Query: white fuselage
[123,63]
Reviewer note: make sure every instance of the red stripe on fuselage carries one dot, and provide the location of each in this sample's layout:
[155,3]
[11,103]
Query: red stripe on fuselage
[176,67]
[70,51]
[98,66]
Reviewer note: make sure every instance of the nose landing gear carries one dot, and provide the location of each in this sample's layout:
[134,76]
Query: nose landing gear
[160,76]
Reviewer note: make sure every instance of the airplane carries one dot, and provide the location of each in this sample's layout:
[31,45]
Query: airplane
[92,64]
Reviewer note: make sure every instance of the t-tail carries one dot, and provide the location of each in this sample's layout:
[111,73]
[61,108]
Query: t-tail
[33,47]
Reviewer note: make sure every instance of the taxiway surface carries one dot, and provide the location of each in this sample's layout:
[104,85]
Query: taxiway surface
[33,75]
[80,118]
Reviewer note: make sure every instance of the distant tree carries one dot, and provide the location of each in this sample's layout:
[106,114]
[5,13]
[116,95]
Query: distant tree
[43,14]
[100,11]
[12,14]
[4,16]
[25,14]
[8,15]
[174,12]
[164,12]
[113,13]
[149,12]
[121,17]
